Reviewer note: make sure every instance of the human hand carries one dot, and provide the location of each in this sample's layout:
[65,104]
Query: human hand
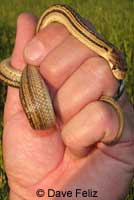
[71,155]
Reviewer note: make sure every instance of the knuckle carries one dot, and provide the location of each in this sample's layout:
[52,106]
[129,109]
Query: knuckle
[102,113]
[105,76]
[100,70]
[97,67]
[101,67]
[49,67]
[57,28]
[54,31]
[68,139]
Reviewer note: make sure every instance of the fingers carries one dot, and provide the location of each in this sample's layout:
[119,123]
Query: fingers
[64,60]
[60,57]
[92,79]
[72,69]
[25,30]
[57,52]
[90,126]
[80,78]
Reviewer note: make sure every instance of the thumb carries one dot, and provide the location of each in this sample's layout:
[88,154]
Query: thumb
[25,31]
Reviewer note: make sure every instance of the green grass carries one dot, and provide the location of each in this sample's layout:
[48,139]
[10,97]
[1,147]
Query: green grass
[114,19]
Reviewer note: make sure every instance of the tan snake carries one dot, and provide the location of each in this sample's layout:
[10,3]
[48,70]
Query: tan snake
[33,91]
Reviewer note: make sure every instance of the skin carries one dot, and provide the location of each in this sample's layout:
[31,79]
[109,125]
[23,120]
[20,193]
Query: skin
[70,155]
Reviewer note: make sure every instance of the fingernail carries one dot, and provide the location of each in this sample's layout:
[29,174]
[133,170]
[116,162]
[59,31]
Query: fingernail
[35,50]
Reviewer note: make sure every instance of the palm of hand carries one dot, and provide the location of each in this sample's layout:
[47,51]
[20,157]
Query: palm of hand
[40,160]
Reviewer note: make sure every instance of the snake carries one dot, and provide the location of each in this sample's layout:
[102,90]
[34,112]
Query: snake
[33,90]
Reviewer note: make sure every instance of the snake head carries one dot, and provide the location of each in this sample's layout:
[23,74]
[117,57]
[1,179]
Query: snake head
[118,63]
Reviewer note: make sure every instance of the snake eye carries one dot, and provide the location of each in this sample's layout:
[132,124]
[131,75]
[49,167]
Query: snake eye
[114,67]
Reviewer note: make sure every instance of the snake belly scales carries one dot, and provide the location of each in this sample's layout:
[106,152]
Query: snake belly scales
[34,94]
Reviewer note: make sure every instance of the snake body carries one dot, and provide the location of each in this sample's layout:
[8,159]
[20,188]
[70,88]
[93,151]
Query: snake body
[34,94]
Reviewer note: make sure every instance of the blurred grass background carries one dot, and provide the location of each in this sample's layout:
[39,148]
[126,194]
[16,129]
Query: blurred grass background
[114,19]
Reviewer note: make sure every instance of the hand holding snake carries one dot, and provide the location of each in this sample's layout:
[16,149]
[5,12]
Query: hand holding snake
[76,78]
